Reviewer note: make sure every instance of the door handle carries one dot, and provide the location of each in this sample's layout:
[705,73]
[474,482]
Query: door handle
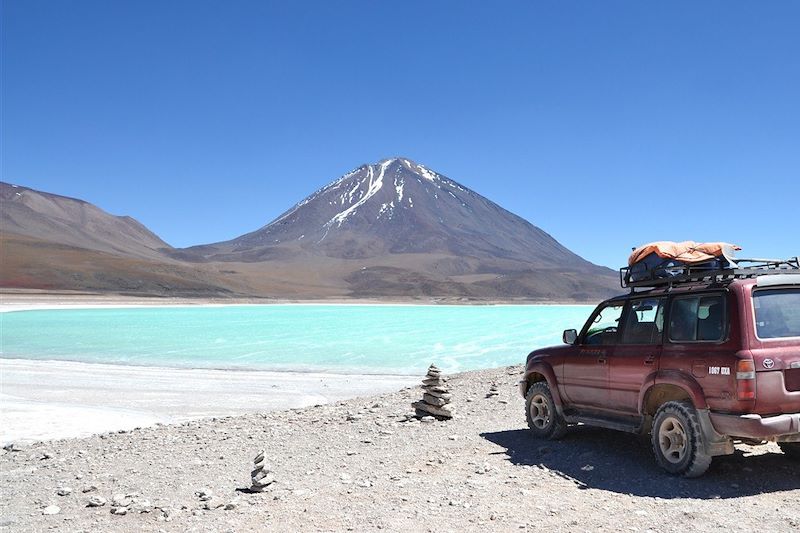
[650,360]
[601,360]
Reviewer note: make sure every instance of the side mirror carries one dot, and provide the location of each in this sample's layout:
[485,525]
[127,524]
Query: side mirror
[570,336]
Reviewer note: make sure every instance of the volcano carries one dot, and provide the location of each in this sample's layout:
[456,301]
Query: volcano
[399,228]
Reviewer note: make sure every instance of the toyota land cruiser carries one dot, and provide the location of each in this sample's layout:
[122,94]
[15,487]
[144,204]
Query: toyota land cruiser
[699,361]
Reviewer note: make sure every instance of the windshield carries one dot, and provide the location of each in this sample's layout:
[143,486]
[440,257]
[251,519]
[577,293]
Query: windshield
[777,313]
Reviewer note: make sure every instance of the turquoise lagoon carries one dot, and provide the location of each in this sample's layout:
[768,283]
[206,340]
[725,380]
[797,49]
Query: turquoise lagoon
[381,339]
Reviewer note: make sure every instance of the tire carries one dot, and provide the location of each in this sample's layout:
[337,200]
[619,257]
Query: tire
[791,449]
[541,413]
[678,440]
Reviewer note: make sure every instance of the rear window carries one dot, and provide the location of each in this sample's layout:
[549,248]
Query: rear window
[777,313]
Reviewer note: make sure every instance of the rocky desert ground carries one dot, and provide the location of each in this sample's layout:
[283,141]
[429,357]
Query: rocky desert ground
[363,465]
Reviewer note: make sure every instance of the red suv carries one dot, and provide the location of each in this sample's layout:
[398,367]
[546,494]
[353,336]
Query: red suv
[699,361]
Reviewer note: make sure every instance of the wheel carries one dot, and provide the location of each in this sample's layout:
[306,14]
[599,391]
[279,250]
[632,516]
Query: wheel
[791,449]
[541,413]
[678,441]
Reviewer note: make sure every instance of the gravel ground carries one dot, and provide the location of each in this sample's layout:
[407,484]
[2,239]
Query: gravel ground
[357,465]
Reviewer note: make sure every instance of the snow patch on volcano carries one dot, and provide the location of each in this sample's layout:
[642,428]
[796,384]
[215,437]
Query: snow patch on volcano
[399,188]
[375,185]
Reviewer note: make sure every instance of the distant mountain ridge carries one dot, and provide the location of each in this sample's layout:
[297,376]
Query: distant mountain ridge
[54,242]
[393,229]
[74,222]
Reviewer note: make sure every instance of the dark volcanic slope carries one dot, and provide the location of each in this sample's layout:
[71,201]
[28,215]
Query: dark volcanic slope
[73,222]
[433,235]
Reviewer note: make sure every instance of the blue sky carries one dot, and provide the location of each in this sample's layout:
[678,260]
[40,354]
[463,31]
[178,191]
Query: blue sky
[607,124]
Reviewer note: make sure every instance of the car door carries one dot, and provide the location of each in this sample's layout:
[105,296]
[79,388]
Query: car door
[585,375]
[697,342]
[635,358]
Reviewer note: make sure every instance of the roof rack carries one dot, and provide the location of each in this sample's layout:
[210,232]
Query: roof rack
[669,273]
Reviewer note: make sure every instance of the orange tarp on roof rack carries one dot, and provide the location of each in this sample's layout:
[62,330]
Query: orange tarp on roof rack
[686,251]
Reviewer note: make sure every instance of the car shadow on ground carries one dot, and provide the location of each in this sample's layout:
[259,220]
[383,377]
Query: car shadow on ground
[624,463]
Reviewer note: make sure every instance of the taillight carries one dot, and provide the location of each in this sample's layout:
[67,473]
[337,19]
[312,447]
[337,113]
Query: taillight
[746,379]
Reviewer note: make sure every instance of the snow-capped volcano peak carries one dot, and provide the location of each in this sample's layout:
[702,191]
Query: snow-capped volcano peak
[392,183]
[377,190]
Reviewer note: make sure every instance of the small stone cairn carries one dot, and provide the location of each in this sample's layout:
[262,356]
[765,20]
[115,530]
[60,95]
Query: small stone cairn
[262,474]
[435,397]
[494,390]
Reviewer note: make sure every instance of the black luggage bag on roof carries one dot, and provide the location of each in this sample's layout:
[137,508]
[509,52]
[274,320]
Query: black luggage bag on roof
[652,267]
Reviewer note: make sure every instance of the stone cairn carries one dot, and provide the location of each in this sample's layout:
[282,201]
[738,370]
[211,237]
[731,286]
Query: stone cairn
[494,390]
[435,397]
[262,474]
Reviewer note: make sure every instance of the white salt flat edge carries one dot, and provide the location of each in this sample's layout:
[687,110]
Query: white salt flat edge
[55,305]
[51,306]
[24,420]
[43,400]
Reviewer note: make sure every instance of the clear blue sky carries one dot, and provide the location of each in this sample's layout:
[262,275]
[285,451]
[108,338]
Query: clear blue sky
[608,124]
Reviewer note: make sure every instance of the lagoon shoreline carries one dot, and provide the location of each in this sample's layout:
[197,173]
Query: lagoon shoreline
[28,300]
[57,369]
[46,400]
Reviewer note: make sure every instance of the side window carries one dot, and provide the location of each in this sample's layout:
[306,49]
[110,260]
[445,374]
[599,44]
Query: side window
[697,318]
[603,326]
[644,322]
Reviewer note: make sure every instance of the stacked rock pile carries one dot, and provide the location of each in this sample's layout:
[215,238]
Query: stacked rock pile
[435,397]
[262,474]
[493,390]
